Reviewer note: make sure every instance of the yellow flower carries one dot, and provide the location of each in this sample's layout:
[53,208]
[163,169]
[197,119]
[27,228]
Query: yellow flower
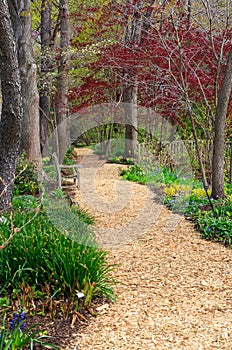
[200,192]
[171,190]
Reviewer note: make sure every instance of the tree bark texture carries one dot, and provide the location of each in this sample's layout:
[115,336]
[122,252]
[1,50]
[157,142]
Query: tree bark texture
[62,79]
[46,67]
[131,119]
[136,31]
[21,22]
[11,116]
[219,131]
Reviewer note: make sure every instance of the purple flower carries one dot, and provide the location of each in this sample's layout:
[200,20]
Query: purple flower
[17,319]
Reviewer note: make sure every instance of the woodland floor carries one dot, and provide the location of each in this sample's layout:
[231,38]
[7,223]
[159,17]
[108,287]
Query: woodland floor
[176,288]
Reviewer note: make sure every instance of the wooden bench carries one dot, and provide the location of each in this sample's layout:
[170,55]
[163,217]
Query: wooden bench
[62,176]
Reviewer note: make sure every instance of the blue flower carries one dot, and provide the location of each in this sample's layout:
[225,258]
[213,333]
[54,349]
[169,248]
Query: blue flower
[17,319]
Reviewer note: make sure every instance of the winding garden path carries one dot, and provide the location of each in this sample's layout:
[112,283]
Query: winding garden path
[176,289]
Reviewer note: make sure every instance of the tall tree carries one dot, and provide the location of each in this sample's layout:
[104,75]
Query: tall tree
[28,73]
[219,131]
[62,79]
[21,21]
[45,71]
[136,29]
[11,116]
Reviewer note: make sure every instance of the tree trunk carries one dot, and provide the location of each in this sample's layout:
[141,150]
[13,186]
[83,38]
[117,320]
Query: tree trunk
[28,73]
[62,79]
[130,97]
[21,21]
[136,31]
[11,116]
[219,133]
[46,66]
[129,93]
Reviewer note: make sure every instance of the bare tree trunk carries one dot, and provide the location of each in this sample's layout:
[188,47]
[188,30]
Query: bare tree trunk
[46,66]
[21,21]
[28,74]
[131,119]
[62,79]
[10,121]
[136,31]
[198,151]
[219,133]
[129,93]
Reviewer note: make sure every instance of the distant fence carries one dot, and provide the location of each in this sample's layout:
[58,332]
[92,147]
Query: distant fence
[182,153]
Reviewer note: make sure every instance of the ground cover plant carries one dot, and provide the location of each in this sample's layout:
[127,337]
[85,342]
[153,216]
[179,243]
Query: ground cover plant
[14,336]
[46,272]
[121,160]
[26,178]
[39,255]
[212,218]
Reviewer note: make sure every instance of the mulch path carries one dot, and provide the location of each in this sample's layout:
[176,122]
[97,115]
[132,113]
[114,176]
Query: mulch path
[176,288]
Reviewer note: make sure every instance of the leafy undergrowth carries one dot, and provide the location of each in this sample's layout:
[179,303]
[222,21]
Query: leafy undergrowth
[212,218]
[47,272]
[26,177]
[121,160]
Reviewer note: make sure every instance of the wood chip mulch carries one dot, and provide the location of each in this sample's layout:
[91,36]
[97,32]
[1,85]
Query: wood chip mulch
[176,288]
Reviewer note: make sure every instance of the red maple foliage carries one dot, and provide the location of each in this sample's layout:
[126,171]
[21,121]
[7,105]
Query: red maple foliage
[173,62]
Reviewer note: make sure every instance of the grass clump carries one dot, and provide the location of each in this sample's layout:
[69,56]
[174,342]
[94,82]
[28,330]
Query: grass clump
[44,258]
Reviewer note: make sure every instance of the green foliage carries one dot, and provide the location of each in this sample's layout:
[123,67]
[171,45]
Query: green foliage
[121,160]
[26,181]
[40,255]
[25,202]
[113,147]
[135,173]
[217,225]
[84,215]
[14,336]
[150,175]
[68,159]
[190,199]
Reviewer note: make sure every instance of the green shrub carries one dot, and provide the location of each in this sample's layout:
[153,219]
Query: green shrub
[41,255]
[26,181]
[25,202]
[217,225]
[121,160]
[135,173]
[150,175]
[69,158]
